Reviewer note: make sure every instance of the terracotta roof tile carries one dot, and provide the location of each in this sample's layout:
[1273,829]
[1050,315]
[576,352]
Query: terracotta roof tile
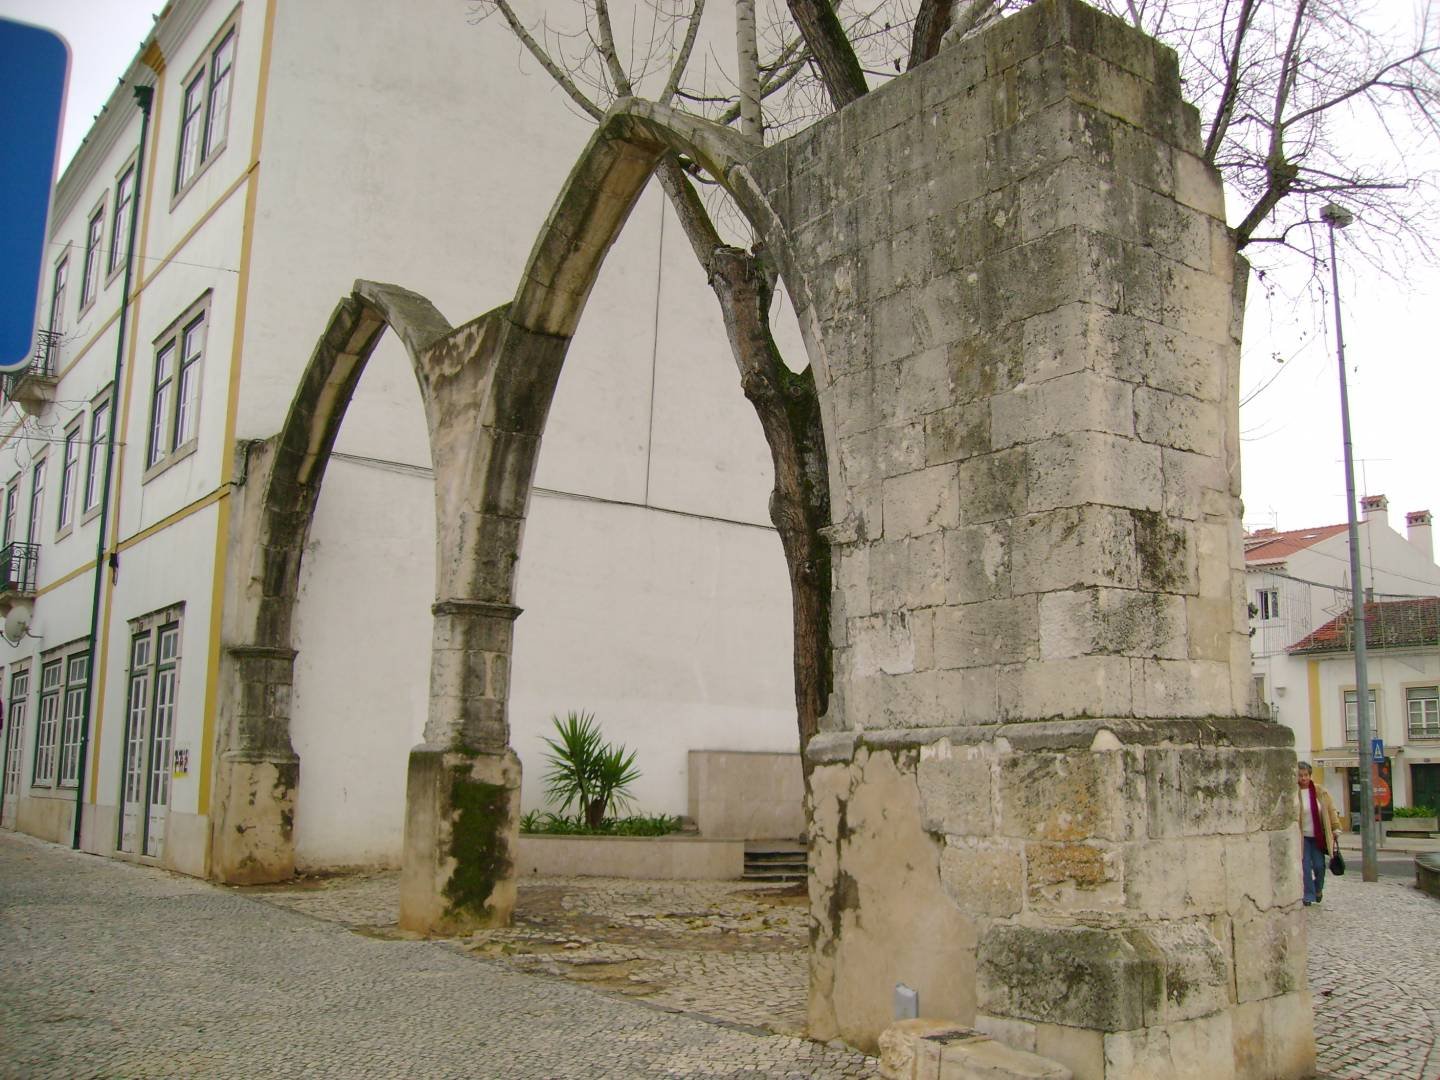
[1389,624]
[1267,545]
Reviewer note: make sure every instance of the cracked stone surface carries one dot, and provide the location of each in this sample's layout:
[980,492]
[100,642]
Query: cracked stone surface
[115,970]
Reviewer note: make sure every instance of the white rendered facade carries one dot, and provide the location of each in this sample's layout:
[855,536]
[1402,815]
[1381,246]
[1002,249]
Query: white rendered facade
[401,146]
[1298,581]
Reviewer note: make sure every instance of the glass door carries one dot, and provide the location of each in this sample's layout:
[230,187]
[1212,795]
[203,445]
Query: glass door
[14,746]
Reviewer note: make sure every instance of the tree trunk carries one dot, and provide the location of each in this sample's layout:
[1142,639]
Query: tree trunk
[834,55]
[789,411]
[788,406]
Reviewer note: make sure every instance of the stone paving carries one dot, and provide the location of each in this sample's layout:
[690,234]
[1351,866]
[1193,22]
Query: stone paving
[113,970]
[1374,971]
[736,952]
[722,949]
[154,990]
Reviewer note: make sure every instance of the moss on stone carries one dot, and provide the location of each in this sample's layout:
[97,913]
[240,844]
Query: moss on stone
[478,842]
[1161,550]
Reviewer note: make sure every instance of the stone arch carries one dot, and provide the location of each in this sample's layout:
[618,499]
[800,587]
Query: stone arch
[258,770]
[462,790]
[487,387]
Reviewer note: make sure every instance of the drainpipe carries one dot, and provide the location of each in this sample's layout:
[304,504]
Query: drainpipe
[143,97]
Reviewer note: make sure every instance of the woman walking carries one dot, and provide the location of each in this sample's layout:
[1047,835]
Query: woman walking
[1318,825]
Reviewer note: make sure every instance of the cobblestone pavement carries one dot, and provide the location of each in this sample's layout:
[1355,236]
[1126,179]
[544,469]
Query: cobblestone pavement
[725,950]
[1374,971]
[281,995]
[112,970]
[722,949]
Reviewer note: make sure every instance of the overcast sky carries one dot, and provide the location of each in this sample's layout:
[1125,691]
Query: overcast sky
[1291,454]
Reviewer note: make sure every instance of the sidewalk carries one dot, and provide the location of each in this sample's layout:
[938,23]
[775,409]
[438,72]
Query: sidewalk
[118,970]
[736,953]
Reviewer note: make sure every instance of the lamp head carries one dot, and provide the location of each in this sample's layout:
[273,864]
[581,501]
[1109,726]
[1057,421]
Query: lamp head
[1335,215]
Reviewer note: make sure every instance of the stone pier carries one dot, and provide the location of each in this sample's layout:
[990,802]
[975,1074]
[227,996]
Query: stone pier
[1038,800]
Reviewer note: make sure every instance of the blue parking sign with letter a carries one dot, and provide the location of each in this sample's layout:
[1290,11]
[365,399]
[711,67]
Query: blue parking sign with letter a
[33,67]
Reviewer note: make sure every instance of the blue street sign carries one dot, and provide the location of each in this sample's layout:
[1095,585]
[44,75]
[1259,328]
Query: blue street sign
[33,67]
[1377,751]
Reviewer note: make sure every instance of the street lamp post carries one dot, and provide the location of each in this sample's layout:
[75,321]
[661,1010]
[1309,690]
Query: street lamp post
[1337,217]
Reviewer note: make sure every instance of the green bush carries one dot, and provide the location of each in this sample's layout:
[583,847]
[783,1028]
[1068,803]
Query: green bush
[585,771]
[561,825]
[1414,811]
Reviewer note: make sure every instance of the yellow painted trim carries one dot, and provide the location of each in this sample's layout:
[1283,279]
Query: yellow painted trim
[174,519]
[117,487]
[65,580]
[1312,689]
[129,542]
[146,279]
[232,409]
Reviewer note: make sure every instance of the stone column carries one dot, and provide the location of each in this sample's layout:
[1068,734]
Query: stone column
[258,772]
[1038,800]
[462,795]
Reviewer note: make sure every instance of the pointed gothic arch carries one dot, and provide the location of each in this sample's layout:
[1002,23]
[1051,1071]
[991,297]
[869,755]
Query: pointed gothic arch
[487,387]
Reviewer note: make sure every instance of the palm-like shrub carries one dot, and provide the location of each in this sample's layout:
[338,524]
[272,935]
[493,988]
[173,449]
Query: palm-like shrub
[586,771]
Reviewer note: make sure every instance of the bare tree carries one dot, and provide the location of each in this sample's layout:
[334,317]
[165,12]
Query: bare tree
[743,282]
[1306,102]
[1284,87]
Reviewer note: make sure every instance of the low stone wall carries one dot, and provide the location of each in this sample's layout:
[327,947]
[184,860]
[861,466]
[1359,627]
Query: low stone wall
[1427,873]
[655,857]
[747,795]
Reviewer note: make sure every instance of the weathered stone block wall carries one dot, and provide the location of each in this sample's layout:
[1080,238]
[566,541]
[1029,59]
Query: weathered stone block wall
[1037,798]
[1023,280]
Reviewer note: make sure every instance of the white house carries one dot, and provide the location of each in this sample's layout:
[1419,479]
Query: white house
[1298,582]
[1403,671]
[291,148]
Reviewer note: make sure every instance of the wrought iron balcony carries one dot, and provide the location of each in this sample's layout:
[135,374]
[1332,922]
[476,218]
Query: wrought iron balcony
[18,562]
[33,386]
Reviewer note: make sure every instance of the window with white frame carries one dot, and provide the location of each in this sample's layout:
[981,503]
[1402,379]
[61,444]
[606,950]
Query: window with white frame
[19,705]
[1268,601]
[217,98]
[120,226]
[175,390]
[95,457]
[58,286]
[77,673]
[37,502]
[150,711]
[205,110]
[69,472]
[1422,708]
[94,237]
[1352,719]
[47,731]
[12,508]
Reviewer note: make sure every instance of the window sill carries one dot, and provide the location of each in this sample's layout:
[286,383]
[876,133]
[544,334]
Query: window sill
[90,515]
[172,459]
[200,170]
[64,531]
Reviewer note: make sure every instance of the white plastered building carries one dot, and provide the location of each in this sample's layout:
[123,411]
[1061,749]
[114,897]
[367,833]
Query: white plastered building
[293,147]
[1298,582]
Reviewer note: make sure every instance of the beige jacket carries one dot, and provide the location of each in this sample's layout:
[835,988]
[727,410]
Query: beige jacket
[1329,817]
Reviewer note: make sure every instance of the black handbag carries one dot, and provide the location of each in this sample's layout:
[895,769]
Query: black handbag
[1337,862]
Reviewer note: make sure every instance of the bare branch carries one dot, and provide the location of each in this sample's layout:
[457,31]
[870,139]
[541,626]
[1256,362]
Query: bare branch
[543,57]
[1230,90]
[607,50]
[682,57]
